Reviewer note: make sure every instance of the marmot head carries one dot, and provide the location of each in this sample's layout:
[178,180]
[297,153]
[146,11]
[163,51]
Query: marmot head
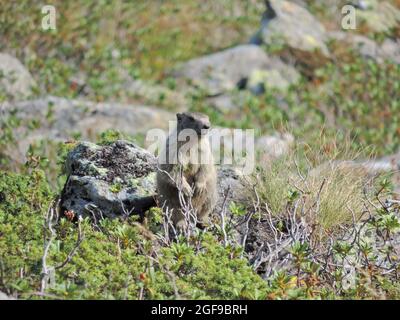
[198,122]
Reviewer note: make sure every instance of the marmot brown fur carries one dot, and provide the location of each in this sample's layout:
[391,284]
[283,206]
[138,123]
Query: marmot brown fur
[186,164]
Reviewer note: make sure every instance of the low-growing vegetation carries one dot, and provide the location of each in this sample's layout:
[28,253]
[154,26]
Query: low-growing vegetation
[316,223]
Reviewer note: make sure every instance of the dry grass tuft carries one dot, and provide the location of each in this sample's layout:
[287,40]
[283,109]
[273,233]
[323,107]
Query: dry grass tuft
[328,190]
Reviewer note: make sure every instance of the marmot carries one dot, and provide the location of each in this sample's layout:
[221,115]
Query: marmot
[187,164]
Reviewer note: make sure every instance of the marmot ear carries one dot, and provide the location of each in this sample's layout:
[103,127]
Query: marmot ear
[179,116]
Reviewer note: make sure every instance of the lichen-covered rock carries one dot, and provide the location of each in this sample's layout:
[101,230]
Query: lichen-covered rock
[119,179]
[110,180]
[263,80]
[16,82]
[223,71]
[299,33]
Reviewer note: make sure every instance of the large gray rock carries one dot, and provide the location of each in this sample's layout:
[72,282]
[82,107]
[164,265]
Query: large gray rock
[16,82]
[299,33]
[59,119]
[119,179]
[109,181]
[222,71]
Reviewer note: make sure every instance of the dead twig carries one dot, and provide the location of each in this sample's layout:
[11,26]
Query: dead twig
[47,275]
[75,248]
[222,216]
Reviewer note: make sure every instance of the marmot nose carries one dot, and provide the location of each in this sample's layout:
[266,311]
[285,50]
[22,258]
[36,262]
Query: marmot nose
[206,126]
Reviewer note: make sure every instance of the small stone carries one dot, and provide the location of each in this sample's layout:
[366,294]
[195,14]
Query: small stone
[88,192]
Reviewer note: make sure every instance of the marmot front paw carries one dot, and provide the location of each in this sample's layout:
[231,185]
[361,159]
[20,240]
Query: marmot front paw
[200,188]
[187,189]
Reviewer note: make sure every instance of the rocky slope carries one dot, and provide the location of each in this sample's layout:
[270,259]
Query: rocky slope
[285,72]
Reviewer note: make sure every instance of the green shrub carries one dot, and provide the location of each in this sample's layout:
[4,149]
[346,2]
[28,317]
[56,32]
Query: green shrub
[115,260]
